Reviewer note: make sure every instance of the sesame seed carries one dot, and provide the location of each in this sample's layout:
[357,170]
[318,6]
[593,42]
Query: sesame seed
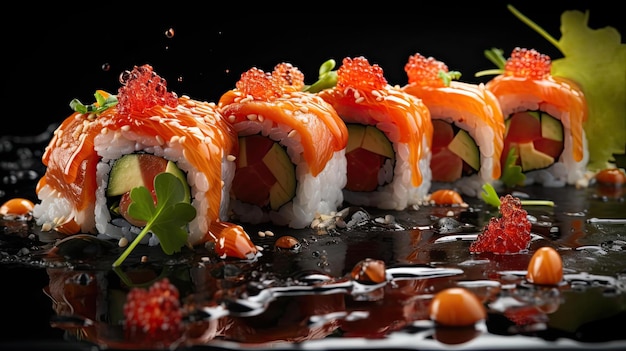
[231,158]
[122,242]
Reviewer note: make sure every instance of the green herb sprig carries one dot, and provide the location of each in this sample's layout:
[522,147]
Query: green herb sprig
[449,76]
[98,107]
[512,173]
[490,196]
[167,219]
[327,78]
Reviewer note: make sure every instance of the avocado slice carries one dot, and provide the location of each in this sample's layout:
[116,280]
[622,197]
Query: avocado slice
[369,138]
[551,128]
[533,159]
[465,147]
[173,169]
[281,167]
[356,133]
[376,141]
[127,173]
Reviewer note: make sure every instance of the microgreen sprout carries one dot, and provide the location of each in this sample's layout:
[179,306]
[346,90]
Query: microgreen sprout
[490,196]
[167,219]
[447,77]
[103,102]
[327,78]
[511,172]
[496,56]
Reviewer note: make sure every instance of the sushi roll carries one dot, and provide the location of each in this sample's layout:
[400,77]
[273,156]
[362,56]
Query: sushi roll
[468,124]
[390,134]
[103,151]
[291,165]
[544,118]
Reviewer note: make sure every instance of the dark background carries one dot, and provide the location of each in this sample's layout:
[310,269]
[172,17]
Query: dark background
[55,53]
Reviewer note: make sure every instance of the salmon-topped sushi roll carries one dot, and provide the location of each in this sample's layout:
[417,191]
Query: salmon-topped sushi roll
[103,152]
[291,166]
[544,118]
[468,125]
[390,135]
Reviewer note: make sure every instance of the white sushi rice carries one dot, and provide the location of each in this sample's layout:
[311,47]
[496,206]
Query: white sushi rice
[53,209]
[315,195]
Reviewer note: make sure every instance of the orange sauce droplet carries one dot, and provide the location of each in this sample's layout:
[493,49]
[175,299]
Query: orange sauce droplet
[369,271]
[545,267]
[611,176]
[287,242]
[456,307]
[446,197]
[17,206]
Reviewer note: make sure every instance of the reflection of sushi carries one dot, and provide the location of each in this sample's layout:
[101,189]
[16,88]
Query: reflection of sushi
[390,135]
[291,165]
[99,154]
[544,119]
[467,122]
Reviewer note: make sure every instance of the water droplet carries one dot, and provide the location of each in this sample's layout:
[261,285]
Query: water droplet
[180,79]
[124,77]
[106,66]
[169,33]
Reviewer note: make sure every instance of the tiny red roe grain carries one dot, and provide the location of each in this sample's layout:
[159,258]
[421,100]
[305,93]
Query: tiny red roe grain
[359,74]
[425,70]
[143,89]
[528,63]
[509,233]
[154,314]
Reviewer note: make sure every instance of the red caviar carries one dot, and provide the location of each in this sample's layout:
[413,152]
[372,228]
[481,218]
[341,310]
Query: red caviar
[155,314]
[359,74]
[290,76]
[143,89]
[425,70]
[528,63]
[267,86]
[509,233]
